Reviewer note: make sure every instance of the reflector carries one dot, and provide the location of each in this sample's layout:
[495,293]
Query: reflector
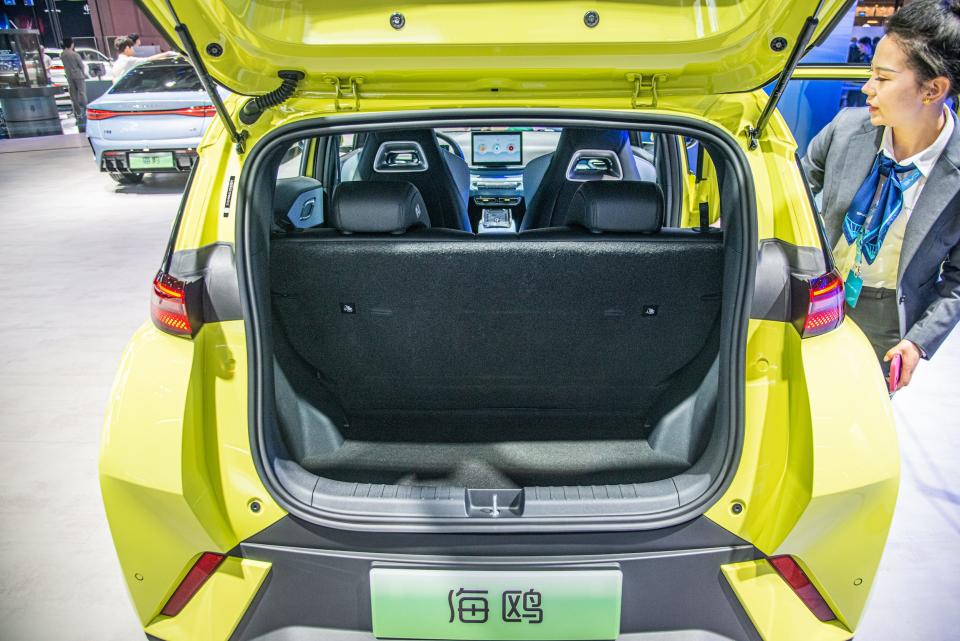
[206,565]
[788,569]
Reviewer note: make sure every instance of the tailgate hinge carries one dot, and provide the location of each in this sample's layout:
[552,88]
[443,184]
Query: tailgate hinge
[646,89]
[342,93]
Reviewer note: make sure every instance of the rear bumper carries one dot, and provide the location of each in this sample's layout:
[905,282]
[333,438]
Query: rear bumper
[116,152]
[322,594]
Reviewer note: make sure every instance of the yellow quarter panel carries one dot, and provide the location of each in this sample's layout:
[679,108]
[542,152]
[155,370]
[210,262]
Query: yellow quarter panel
[819,472]
[176,472]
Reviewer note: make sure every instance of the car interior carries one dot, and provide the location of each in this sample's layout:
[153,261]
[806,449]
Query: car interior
[496,308]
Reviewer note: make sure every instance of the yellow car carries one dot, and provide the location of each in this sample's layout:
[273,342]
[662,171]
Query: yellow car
[498,320]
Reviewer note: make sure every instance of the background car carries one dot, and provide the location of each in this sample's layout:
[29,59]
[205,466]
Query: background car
[150,121]
[98,66]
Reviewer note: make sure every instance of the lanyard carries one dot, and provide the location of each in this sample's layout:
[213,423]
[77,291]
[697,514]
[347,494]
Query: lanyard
[906,184]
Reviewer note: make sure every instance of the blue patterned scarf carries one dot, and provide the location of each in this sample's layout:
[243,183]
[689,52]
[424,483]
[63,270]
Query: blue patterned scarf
[889,205]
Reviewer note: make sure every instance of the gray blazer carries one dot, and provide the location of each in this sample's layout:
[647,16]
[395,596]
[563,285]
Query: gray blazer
[928,282]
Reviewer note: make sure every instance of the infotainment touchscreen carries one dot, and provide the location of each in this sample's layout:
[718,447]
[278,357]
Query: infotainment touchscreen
[497,149]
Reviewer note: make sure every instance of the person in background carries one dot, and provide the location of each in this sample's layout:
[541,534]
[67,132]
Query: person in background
[125,59]
[76,75]
[853,52]
[890,182]
[866,49]
[47,60]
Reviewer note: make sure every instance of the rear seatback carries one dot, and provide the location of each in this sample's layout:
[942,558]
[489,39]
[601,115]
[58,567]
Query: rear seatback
[565,320]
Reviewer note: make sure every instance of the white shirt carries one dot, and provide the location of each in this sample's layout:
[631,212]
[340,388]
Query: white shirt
[883,271]
[123,64]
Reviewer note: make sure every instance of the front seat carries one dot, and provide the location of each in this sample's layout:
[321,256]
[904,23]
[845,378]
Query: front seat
[414,156]
[545,179]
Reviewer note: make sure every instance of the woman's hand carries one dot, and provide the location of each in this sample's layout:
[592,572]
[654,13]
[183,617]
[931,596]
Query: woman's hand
[909,357]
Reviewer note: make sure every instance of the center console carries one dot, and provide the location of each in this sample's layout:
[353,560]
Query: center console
[496,200]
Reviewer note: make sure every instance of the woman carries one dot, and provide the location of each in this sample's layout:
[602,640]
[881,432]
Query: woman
[890,181]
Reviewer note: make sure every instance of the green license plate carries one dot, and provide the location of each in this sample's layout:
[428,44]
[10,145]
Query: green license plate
[152,160]
[561,605]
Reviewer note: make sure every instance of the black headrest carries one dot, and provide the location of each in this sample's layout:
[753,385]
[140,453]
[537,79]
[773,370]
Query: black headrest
[618,206]
[378,207]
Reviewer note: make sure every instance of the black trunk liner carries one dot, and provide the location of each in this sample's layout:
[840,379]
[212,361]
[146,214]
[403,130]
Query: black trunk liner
[497,464]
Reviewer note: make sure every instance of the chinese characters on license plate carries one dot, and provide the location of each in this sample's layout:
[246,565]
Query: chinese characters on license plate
[561,605]
[473,606]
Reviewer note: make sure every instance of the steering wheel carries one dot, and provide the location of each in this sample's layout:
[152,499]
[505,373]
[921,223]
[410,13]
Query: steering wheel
[452,144]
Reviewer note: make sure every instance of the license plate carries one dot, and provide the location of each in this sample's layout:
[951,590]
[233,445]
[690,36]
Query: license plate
[551,605]
[153,160]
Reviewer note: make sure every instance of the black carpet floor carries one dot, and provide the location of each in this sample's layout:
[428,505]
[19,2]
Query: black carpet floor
[505,464]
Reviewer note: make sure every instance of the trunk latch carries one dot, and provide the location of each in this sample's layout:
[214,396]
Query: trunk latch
[494,504]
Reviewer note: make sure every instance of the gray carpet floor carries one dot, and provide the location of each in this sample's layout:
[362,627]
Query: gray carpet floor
[497,465]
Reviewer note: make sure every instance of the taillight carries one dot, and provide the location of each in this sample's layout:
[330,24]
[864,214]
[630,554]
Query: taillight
[788,569]
[100,114]
[825,307]
[56,67]
[168,305]
[206,565]
[203,111]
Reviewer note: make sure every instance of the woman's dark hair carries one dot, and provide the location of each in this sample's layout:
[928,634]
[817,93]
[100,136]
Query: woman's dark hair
[929,33]
[122,43]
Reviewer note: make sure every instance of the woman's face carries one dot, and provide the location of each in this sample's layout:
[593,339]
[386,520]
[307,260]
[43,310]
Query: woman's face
[894,96]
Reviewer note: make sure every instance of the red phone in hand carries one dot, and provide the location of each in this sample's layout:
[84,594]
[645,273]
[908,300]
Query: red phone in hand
[893,381]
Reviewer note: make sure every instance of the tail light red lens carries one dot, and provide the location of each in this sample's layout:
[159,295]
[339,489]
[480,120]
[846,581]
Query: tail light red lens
[205,566]
[100,114]
[825,309]
[202,111]
[168,305]
[56,67]
[788,569]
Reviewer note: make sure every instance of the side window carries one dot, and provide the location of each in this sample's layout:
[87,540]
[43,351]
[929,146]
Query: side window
[701,193]
[349,154]
[294,161]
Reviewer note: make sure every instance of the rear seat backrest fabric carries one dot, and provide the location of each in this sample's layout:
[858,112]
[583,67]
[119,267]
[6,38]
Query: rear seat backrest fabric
[585,322]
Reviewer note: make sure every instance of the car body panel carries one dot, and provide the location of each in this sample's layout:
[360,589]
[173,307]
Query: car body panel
[176,473]
[773,608]
[698,47]
[215,611]
[825,490]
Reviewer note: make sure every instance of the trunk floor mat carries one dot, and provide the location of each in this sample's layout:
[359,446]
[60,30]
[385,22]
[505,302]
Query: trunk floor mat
[508,464]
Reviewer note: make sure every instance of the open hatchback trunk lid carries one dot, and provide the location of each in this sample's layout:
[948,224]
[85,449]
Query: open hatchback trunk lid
[606,48]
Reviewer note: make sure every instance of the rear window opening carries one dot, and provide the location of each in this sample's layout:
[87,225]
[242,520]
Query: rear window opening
[549,341]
